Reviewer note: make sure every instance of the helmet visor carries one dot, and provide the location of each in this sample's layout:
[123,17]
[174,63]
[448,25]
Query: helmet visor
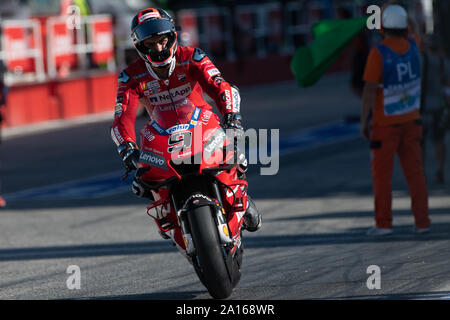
[152,27]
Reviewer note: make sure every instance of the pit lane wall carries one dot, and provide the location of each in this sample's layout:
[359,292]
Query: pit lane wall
[61,99]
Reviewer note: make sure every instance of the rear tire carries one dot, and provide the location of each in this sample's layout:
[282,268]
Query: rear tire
[210,253]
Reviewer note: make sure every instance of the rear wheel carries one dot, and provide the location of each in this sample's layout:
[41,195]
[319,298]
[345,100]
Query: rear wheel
[210,253]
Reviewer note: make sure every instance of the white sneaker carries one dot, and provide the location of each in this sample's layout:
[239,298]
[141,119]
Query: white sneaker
[421,230]
[374,231]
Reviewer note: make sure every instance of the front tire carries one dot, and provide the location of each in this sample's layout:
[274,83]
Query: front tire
[210,253]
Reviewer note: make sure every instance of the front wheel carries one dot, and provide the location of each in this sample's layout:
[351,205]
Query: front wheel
[210,253]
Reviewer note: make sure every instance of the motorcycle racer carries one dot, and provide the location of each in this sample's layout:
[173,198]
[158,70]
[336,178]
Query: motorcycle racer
[164,73]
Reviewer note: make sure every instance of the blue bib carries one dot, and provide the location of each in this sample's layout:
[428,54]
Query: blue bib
[401,80]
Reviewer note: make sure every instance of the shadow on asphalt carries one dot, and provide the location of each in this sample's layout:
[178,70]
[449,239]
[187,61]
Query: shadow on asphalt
[358,214]
[89,250]
[440,231]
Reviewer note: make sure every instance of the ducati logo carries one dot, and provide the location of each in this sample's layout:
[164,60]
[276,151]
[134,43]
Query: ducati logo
[181,77]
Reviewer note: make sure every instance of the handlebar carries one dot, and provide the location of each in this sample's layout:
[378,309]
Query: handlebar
[125,175]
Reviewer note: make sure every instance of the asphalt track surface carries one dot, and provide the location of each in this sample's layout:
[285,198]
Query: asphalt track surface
[316,210]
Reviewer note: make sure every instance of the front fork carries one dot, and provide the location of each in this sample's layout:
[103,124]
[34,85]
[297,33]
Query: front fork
[221,223]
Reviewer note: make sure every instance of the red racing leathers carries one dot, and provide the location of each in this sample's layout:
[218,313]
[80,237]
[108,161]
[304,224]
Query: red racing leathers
[191,73]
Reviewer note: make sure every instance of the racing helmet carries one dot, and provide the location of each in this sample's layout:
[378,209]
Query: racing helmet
[394,17]
[152,22]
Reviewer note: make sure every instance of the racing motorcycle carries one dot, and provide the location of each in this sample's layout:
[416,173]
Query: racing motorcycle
[188,162]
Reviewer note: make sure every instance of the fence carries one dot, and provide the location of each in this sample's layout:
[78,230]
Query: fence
[39,50]
[50,68]
[22,51]
[255,30]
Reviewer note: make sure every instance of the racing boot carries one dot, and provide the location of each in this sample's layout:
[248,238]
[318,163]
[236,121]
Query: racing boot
[252,218]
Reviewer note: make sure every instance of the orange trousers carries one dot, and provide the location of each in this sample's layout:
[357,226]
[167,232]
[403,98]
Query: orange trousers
[403,140]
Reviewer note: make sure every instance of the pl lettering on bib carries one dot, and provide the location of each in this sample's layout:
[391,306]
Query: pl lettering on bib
[401,80]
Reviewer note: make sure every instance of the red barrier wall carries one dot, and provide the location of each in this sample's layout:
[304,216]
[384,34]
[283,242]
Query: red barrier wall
[61,99]
[73,98]
[102,92]
[29,104]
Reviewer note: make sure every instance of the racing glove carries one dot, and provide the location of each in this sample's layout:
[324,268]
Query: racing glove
[129,153]
[233,120]
[140,190]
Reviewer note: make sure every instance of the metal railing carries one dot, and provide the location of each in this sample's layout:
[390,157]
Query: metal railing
[259,30]
[80,43]
[24,58]
[31,55]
